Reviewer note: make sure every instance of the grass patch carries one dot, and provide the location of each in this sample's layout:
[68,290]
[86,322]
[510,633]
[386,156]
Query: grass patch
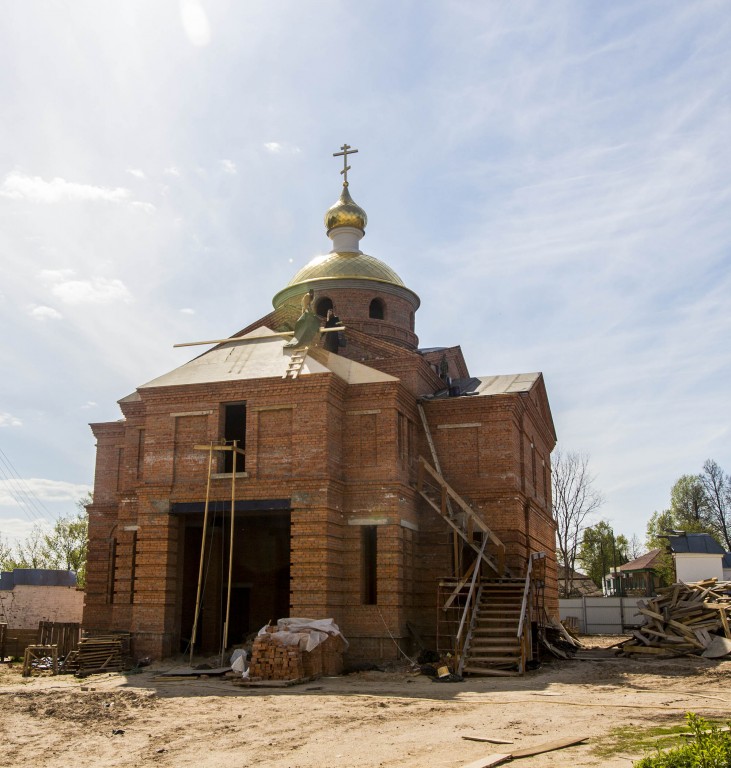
[639,739]
[664,746]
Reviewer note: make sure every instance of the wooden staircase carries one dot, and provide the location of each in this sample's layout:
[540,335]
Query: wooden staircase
[493,646]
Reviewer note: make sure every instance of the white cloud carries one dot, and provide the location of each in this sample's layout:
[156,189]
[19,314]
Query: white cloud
[8,420]
[44,490]
[146,207]
[42,312]
[94,290]
[34,188]
[195,22]
[171,171]
[187,311]
[229,167]
[280,148]
[88,405]
[137,173]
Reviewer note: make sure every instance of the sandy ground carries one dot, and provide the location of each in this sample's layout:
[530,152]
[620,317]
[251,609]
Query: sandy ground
[365,719]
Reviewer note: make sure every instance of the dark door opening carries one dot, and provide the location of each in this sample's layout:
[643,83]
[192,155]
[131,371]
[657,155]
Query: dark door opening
[260,588]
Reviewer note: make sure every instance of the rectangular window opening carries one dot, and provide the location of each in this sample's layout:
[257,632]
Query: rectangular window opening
[369,550]
[234,429]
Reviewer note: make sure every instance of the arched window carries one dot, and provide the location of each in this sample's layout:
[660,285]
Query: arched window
[376,309]
[322,305]
[411,321]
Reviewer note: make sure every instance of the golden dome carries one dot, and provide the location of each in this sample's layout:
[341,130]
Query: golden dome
[345,213]
[343,266]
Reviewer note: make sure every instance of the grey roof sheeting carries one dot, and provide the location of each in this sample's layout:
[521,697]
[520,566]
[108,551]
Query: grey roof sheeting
[504,385]
[727,560]
[695,543]
[261,354]
[37,577]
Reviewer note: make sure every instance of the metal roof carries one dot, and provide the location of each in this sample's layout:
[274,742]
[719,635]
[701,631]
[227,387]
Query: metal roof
[695,543]
[262,356]
[644,562]
[37,577]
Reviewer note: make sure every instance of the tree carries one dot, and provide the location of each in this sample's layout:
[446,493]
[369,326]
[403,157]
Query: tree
[657,527]
[63,547]
[689,505]
[574,500]
[601,551]
[717,487]
[6,553]
[29,552]
[635,547]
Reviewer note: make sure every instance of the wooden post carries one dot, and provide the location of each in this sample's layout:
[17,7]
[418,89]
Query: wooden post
[203,553]
[230,553]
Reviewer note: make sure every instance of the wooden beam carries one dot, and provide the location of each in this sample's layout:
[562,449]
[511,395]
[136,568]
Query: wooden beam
[247,339]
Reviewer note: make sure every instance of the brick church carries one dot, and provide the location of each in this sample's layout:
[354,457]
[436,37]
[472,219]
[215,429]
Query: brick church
[346,474]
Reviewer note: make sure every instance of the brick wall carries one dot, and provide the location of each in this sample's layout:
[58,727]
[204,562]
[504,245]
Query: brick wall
[25,605]
[344,457]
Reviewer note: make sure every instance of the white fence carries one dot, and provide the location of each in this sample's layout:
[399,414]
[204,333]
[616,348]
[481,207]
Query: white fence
[602,615]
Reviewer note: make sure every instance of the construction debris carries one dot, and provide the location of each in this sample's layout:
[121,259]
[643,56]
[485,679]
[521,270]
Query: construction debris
[682,620]
[557,641]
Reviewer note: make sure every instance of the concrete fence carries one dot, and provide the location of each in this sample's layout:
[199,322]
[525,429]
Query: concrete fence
[602,615]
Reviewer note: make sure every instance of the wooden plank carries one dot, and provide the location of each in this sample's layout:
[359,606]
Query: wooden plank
[549,746]
[538,749]
[651,614]
[488,761]
[488,739]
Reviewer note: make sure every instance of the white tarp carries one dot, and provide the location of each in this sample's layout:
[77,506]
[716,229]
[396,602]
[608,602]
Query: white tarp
[307,633]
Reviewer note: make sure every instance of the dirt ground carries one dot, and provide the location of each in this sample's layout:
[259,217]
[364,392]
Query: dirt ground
[372,719]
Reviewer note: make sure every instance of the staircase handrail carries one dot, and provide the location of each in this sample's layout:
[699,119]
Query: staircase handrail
[470,594]
[526,589]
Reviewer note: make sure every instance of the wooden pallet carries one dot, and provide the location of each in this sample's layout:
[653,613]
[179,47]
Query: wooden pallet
[35,654]
[94,655]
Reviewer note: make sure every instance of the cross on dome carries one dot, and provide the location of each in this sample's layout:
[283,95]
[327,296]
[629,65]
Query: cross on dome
[344,154]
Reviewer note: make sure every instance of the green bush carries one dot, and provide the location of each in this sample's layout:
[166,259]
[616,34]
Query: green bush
[711,748]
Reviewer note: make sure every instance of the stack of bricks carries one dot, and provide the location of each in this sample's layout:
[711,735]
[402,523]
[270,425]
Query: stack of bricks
[271,659]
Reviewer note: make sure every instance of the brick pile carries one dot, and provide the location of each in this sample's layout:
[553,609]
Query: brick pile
[273,659]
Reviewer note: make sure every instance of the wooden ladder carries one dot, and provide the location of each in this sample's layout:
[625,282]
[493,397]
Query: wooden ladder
[296,361]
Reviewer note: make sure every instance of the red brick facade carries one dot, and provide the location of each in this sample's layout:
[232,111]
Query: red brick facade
[329,523]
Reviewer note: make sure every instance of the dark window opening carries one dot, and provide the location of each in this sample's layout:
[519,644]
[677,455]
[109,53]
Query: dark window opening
[322,305]
[376,309]
[369,550]
[411,320]
[234,429]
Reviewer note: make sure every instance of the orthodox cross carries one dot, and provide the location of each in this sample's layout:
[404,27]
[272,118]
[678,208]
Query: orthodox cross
[344,154]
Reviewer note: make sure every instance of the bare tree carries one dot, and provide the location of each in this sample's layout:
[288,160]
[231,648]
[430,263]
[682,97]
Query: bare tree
[635,548]
[574,500]
[717,486]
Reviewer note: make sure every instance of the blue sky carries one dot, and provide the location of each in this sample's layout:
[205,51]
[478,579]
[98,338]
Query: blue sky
[553,180]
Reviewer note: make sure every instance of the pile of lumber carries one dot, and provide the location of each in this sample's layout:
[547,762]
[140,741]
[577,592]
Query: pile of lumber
[683,619]
[96,654]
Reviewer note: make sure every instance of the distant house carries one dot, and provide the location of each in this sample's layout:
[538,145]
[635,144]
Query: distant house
[638,578]
[699,556]
[581,584]
[31,595]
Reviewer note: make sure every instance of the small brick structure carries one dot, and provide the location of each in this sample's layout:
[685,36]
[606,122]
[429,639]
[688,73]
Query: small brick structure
[328,520]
